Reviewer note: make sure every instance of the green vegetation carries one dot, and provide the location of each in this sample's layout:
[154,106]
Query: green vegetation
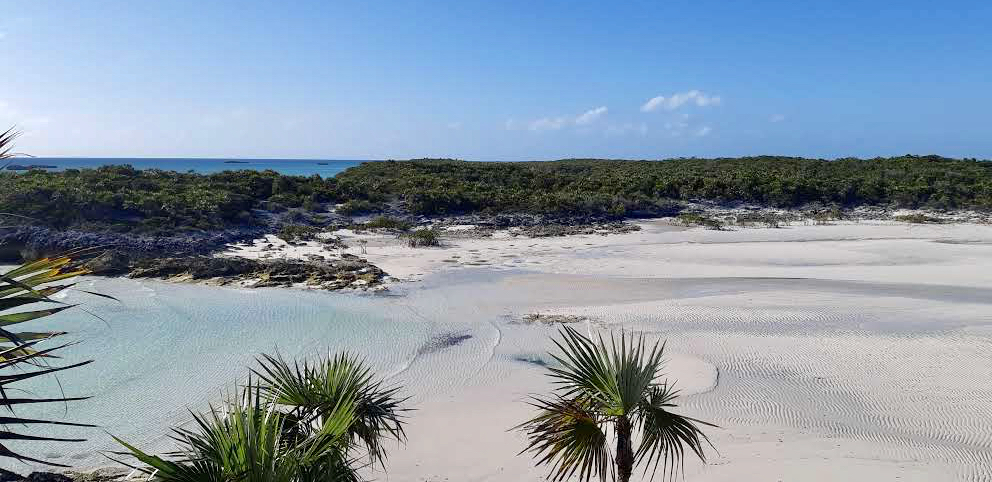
[357,207]
[423,238]
[696,219]
[609,389]
[772,220]
[154,201]
[289,423]
[919,219]
[386,222]
[825,217]
[292,233]
[21,353]
[615,188]
[158,202]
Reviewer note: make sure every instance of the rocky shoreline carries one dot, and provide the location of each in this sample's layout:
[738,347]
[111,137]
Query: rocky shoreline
[194,257]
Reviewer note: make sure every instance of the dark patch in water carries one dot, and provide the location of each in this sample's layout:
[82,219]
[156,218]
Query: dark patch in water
[533,360]
[442,341]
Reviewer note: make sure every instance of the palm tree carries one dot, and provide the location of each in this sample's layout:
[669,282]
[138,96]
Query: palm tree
[291,423]
[24,355]
[609,392]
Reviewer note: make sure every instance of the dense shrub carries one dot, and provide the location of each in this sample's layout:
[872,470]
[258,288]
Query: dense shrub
[357,207]
[386,222]
[292,233]
[155,201]
[158,202]
[424,237]
[696,219]
[619,188]
[919,219]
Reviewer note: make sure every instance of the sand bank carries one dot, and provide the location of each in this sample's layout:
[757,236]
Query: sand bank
[855,351]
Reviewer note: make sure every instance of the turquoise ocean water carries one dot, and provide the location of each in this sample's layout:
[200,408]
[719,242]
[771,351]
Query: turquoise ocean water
[293,167]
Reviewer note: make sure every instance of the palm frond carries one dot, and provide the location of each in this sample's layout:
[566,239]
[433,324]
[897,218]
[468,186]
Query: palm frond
[616,375]
[291,423]
[665,434]
[601,386]
[567,434]
[312,390]
[7,139]
[246,440]
[20,359]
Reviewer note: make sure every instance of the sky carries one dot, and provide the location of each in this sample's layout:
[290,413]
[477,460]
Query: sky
[497,80]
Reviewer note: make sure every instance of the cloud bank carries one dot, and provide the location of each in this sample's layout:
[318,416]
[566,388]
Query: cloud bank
[680,99]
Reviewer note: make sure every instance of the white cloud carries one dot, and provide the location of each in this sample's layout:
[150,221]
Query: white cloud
[776,118]
[547,124]
[677,100]
[454,125]
[590,116]
[703,131]
[559,122]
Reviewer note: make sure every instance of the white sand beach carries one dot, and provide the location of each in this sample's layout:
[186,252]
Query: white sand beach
[852,351]
[846,351]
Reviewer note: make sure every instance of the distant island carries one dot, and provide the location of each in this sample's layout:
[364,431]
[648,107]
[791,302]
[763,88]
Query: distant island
[322,163]
[28,167]
[236,162]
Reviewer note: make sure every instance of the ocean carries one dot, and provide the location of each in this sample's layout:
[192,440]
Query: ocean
[292,167]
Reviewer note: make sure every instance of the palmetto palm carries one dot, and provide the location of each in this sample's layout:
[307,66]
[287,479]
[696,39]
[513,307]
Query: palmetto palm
[291,423]
[609,392]
[28,354]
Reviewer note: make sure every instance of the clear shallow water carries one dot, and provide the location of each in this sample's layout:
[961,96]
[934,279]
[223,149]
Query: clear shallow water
[294,167]
[784,349]
[170,347]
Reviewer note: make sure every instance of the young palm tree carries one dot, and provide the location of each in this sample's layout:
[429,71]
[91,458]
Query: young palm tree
[607,392]
[292,423]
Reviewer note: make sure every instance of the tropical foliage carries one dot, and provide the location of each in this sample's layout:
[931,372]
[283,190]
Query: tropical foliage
[424,238]
[618,188]
[289,423]
[154,201]
[122,198]
[27,354]
[607,392]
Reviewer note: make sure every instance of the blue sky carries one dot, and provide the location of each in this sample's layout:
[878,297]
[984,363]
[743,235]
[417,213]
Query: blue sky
[498,80]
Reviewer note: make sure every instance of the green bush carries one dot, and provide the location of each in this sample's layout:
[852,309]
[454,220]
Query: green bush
[386,222]
[357,207]
[424,237]
[695,219]
[292,233]
[919,219]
